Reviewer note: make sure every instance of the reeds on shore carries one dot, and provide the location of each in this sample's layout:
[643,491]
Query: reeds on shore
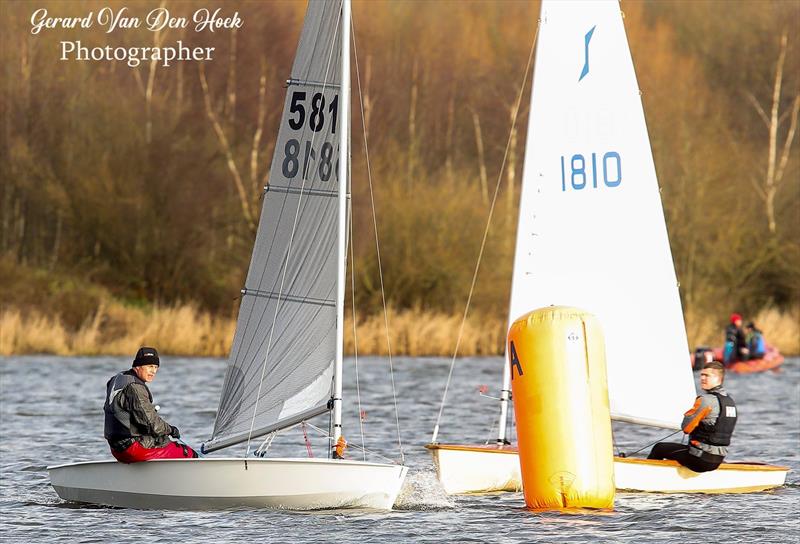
[115,329]
[118,330]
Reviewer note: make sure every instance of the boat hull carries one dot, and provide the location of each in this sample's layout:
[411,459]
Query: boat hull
[466,469]
[476,469]
[655,476]
[211,484]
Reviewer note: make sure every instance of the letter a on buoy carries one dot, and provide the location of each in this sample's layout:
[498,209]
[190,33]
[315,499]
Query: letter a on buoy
[514,361]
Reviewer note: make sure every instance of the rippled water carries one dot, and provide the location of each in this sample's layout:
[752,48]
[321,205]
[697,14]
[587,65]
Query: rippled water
[51,413]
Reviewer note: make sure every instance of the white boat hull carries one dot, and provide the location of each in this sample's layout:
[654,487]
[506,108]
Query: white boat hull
[486,469]
[476,469]
[210,484]
[654,476]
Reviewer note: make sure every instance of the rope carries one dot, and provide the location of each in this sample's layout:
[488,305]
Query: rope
[355,334]
[308,443]
[286,264]
[377,245]
[623,454]
[265,445]
[485,235]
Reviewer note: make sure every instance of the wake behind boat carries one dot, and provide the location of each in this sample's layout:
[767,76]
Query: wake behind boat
[285,365]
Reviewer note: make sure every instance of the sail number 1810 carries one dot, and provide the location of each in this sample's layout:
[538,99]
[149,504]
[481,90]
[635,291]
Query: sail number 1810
[577,172]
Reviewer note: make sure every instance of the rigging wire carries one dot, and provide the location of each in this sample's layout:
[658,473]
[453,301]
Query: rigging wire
[485,234]
[355,334]
[625,454]
[377,243]
[321,432]
[304,178]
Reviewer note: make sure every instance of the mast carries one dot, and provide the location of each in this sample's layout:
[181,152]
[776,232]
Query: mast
[344,155]
[505,395]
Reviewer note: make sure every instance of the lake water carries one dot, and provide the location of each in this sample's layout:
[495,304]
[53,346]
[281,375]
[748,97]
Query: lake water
[51,413]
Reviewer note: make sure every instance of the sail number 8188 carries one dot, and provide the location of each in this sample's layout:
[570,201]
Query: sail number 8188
[581,172]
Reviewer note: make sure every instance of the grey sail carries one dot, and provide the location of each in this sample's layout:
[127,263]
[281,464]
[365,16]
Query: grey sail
[281,365]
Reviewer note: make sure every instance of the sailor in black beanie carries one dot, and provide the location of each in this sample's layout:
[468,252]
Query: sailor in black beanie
[133,428]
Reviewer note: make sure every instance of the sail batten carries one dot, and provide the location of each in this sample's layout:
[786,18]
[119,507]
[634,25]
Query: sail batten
[591,230]
[282,358]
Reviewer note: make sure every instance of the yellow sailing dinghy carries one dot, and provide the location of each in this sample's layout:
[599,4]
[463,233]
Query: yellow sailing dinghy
[592,234]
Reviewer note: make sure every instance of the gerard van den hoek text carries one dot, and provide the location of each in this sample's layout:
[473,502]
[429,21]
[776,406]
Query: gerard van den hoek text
[156,20]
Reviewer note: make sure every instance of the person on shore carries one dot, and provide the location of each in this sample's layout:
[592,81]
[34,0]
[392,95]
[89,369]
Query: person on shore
[755,341]
[709,424]
[735,343]
[133,429]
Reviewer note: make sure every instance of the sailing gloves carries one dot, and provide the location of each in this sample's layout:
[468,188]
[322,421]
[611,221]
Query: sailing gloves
[174,432]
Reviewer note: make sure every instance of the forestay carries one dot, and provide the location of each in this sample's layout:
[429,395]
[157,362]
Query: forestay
[591,226]
[282,359]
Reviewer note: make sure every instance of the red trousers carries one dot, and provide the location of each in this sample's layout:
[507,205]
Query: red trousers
[136,453]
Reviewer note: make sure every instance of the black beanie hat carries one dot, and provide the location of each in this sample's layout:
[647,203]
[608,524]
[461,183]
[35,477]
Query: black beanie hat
[146,356]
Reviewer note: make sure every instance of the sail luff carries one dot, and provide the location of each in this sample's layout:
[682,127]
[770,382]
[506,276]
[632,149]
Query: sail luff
[344,135]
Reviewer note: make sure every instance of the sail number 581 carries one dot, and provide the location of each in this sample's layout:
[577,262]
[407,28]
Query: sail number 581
[581,172]
[316,112]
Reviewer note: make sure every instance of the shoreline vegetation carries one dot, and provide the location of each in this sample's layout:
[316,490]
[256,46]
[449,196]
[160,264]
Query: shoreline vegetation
[130,197]
[186,330]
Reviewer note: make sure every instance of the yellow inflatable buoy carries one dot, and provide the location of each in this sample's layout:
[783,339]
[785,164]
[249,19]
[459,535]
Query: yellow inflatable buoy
[559,385]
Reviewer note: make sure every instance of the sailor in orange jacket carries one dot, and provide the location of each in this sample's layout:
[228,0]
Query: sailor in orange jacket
[709,424]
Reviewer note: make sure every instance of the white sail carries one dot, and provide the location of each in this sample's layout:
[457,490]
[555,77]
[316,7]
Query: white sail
[591,228]
[282,361]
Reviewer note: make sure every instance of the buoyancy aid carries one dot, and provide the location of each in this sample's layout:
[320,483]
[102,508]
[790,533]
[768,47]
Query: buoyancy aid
[719,433]
[757,345]
[118,426]
[732,334]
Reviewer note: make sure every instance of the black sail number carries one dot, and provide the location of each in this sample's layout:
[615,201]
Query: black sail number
[317,118]
[315,165]
[296,106]
[325,164]
[312,158]
[316,114]
[291,161]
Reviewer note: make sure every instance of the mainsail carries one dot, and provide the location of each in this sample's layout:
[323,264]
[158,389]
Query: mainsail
[591,228]
[281,365]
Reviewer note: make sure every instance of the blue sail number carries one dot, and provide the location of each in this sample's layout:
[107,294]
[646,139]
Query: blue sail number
[582,173]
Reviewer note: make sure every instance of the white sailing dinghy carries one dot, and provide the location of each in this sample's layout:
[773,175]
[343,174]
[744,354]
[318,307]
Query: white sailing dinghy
[285,364]
[592,235]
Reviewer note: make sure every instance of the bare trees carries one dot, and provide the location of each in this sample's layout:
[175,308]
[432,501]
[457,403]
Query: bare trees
[777,152]
[148,179]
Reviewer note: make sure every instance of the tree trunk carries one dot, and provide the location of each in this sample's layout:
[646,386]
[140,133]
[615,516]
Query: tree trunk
[451,116]
[158,39]
[368,101]
[262,111]
[412,123]
[244,200]
[476,123]
[56,241]
[776,166]
[511,171]
[231,88]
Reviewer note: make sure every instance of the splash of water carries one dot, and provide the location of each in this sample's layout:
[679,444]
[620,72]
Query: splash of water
[422,491]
